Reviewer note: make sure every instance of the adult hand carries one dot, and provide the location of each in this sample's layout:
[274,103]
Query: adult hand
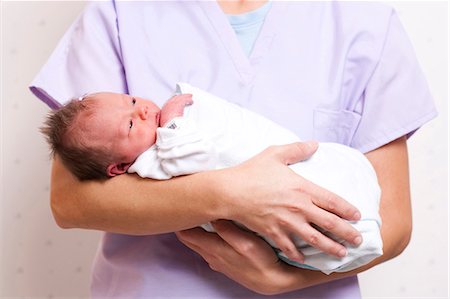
[271,199]
[240,255]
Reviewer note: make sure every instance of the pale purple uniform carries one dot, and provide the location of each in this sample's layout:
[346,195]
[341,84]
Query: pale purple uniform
[332,71]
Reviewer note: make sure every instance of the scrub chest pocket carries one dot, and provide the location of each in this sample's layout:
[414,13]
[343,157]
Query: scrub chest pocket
[335,125]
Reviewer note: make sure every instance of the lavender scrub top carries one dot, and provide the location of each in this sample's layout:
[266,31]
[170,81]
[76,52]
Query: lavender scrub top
[332,71]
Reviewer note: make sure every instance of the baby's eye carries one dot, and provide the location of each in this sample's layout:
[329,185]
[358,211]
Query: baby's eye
[133,100]
[131,124]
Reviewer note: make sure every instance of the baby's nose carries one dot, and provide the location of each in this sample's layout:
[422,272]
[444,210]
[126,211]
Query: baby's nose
[143,112]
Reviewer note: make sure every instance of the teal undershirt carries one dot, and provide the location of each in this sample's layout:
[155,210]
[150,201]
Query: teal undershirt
[247,26]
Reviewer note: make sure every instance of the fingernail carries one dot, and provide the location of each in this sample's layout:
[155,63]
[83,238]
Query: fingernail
[342,253]
[356,216]
[357,240]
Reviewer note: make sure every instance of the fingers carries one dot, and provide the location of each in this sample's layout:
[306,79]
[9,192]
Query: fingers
[201,241]
[300,151]
[329,223]
[330,201]
[335,225]
[231,233]
[198,236]
[318,240]
[246,259]
[287,246]
[228,246]
[246,243]
[294,152]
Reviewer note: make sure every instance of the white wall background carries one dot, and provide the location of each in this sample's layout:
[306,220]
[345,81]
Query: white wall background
[40,260]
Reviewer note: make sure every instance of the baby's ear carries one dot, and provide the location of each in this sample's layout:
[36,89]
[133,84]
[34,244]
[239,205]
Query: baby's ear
[117,169]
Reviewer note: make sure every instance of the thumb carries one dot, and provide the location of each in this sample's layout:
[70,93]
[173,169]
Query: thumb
[246,243]
[239,239]
[296,152]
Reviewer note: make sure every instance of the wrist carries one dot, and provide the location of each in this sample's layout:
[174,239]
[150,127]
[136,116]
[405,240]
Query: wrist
[277,280]
[224,188]
[214,195]
[292,278]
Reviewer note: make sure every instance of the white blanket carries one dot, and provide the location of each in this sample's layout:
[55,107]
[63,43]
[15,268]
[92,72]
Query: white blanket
[214,134]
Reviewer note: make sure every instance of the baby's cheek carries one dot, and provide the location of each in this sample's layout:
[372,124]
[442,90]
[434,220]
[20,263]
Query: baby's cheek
[151,138]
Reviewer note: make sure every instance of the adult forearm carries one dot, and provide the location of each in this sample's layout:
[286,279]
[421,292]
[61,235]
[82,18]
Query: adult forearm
[262,193]
[132,205]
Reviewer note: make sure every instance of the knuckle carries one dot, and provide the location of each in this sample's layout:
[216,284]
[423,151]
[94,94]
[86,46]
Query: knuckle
[313,238]
[214,267]
[308,199]
[246,248]
[331,202]
[283,222]
[303,185]
[329,223]
[299,210]
[296,209]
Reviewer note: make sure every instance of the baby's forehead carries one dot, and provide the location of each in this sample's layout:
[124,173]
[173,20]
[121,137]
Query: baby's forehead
[96,118]
[107,97]
[95,106]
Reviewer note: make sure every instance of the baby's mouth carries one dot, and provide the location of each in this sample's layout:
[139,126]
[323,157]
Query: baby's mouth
[157,118]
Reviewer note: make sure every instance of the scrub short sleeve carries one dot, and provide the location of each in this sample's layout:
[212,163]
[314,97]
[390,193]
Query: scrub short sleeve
[396,100]
[86,59]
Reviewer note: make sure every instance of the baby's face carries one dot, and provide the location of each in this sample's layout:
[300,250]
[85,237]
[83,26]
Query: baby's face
[125,124]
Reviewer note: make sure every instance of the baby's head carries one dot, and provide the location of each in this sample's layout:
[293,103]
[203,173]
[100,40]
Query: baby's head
[101,135]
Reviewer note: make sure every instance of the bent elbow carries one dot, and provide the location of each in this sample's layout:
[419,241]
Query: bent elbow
[61,221]
[405,238]
[402,240]
[59,212]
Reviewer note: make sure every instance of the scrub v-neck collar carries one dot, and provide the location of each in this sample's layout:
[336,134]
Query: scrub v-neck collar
[245,66]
